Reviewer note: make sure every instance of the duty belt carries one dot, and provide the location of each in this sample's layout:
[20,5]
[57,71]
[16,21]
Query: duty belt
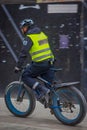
[51,61]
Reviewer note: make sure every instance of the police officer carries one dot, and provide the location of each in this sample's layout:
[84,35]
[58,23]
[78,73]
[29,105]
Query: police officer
[36,44]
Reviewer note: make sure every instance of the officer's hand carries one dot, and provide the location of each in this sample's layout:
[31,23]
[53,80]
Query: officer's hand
[16,70]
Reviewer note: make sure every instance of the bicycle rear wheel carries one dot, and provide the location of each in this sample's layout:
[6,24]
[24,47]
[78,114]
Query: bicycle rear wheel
[69,105]
[19,99]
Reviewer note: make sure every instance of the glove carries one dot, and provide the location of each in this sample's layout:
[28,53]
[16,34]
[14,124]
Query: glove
[17,69]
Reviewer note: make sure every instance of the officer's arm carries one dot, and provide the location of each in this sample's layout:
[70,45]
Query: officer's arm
[27,44]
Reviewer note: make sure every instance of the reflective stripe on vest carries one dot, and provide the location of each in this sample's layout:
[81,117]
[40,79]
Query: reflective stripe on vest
[40,50]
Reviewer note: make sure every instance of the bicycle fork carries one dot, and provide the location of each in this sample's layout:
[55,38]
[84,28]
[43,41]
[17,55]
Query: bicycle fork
[21,93]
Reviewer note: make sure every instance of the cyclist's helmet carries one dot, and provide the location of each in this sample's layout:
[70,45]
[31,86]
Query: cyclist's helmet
[26,22]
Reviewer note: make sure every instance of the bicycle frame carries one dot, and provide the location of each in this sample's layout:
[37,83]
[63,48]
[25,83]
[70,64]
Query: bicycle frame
[51,86]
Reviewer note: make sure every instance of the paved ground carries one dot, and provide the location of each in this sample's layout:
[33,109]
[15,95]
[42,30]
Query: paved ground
[41,119]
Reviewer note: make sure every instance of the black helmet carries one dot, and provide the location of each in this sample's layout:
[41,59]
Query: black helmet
[26,22]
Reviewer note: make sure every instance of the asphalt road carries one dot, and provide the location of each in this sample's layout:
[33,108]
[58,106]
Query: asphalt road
[41,119]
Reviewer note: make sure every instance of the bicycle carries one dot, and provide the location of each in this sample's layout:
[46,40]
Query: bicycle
[65,101]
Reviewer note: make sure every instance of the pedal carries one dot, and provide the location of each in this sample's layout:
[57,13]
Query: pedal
[46,105]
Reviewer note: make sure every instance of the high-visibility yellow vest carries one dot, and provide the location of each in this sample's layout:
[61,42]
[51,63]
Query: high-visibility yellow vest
[40,50]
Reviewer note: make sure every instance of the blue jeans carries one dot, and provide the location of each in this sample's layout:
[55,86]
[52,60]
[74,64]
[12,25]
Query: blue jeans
[37,69]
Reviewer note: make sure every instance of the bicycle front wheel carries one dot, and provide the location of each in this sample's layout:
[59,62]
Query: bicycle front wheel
[19,100]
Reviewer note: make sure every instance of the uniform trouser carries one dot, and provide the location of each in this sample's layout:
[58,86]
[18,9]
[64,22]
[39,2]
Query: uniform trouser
[37,69]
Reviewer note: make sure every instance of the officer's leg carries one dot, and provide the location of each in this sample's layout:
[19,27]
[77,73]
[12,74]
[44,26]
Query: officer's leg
[28,78]
[49,76]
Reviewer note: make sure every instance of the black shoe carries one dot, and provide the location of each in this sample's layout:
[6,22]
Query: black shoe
[44,90]
[39,94]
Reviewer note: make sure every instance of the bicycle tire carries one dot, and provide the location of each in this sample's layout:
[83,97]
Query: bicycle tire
[66,95]
[12,103]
